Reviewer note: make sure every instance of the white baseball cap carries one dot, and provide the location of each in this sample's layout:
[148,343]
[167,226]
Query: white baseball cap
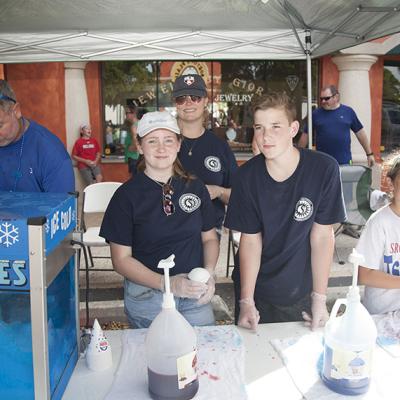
[157,120]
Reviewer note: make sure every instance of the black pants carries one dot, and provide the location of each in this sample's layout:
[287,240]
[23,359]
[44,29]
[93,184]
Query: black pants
[274,312]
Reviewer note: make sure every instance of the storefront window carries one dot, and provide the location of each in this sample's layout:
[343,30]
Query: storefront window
[232,86]
[390,137]
[126,86]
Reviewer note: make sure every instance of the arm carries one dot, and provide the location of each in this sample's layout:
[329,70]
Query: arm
[219,192]
[135,271]
[132,269]
[82,160]
[363,139]
[377,278]
[210,255]
[210,250]
[97,159]
[322,242]
[250,248]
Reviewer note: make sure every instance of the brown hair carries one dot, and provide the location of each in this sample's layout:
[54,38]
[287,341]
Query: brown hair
[278,100]
[393,166]
[177,166]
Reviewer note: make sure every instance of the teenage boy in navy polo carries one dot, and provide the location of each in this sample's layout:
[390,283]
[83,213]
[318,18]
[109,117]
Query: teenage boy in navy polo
[284,202]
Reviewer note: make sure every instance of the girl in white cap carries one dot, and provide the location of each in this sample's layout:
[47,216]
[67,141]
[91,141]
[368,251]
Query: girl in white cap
[86,152]
[162,211]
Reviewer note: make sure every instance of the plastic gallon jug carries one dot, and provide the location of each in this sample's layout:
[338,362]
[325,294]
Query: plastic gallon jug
[171,350]
[349,342]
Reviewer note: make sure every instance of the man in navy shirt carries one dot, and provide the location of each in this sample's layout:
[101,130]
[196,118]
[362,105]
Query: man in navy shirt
[32,159]
[332,123]
[284,202]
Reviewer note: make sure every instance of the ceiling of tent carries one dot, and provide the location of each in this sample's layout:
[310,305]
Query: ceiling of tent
[73,30]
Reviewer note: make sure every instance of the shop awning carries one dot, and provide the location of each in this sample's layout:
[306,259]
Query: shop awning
[74,30]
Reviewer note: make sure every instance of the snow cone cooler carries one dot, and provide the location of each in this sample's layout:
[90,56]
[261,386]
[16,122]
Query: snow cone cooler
[39,323]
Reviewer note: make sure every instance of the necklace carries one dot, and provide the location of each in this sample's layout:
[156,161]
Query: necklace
[194,142]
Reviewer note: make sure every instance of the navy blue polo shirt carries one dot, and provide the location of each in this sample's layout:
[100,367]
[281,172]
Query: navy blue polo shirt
[284,213]
[212,161]
[135,217]
[332,129]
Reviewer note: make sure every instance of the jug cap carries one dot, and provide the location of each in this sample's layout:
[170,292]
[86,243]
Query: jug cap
[168,297]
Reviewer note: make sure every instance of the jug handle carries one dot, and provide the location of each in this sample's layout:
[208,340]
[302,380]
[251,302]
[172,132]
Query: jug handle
[335,308]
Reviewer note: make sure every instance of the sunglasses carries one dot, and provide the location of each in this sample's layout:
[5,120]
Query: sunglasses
[168,205]
[182,99]
[4,97]
[326,98]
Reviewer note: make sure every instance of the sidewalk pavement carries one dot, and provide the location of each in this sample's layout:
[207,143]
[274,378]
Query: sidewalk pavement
[106,291]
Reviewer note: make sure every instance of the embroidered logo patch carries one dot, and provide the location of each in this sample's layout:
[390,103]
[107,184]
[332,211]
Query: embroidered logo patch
[212,163]
[304,209]
[189,80]
[189,202]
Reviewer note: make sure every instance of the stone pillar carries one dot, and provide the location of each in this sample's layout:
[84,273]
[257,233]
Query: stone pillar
[76,106]
[354,89]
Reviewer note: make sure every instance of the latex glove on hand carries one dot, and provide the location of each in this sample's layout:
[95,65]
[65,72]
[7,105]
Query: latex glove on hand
[248,314]
[181,286]
[318,310]
[207,296]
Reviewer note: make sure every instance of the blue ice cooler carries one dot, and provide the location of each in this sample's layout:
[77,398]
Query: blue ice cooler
[39,323]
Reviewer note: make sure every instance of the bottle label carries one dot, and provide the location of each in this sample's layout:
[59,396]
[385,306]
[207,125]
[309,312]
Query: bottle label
[351,364]
[187,369]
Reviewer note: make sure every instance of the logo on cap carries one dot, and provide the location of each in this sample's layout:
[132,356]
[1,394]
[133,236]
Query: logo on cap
[189,80]
[189,202]
[303,210]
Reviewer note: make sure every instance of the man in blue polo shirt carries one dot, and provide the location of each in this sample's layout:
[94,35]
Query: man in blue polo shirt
[32,159]
[332,123]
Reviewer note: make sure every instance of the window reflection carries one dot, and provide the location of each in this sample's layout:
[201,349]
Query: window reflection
[232,86]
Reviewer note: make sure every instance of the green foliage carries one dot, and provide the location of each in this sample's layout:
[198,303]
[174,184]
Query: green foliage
[125,79]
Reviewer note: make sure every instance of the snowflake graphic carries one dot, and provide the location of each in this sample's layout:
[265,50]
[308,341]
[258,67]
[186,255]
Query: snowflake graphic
[8,234]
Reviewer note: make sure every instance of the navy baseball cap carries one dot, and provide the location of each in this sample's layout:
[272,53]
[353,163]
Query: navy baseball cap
[189,85]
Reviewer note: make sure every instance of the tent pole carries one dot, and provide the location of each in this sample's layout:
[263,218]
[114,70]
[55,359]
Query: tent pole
[309,88]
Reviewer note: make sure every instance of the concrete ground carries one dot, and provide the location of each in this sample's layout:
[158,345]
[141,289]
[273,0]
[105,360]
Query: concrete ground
[106,286]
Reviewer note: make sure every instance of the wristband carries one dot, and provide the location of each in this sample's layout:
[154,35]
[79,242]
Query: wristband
[318,296]
[247,300]
[370,154]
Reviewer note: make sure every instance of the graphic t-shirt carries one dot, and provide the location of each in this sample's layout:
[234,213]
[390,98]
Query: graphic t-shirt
[380,245]
[135,217]
[284,213]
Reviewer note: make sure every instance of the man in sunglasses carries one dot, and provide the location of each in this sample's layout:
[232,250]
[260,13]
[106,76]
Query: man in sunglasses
[32,159]
[332,123]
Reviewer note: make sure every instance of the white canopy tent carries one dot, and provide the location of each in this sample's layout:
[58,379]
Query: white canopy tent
[74,30]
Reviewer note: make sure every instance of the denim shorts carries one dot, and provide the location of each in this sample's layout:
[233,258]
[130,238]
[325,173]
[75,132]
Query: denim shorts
[143,304]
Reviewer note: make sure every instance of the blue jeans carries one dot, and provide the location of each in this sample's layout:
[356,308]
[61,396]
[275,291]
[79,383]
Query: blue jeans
[143,304]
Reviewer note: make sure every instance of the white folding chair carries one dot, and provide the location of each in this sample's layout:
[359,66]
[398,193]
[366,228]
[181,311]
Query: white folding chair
[95,200]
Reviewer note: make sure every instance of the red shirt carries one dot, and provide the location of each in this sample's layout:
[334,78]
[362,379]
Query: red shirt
[87,149]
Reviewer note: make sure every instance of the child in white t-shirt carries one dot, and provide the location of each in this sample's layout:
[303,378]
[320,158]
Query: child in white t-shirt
[380,245]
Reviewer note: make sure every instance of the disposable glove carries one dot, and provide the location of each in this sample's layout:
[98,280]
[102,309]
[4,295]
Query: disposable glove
[207,296]
[181,286]
[318,310]
[248,315]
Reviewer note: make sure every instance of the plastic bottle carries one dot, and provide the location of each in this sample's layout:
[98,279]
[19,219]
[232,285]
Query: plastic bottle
[349,342]
[171,350]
